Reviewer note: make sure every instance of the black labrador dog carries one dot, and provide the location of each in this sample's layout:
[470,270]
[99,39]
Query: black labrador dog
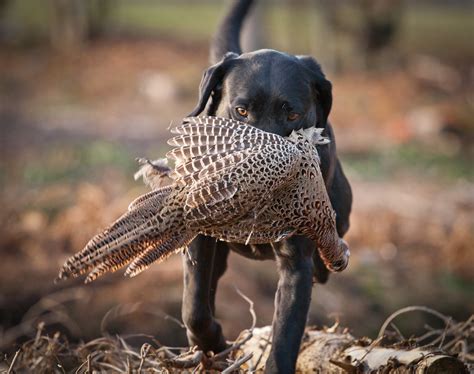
[279,93]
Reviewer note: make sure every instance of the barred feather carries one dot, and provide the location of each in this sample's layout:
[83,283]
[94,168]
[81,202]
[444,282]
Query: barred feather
[196,164]
[153,198]
[202,129]
[125,239]
[114,263]
[121,232]
[76,266]
[158,253]
[183,154]
[222,164]
[203,136]
[210,194]
[188,140]
[112,256]
[213,170]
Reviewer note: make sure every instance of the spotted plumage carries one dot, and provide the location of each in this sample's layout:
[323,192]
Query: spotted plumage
[231,181]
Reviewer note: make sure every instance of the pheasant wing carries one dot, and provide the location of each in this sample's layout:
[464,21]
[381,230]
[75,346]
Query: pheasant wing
[230,167]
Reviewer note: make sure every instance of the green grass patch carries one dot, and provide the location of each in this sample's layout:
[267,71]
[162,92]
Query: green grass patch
[444,31]
[30,16]
[195,21]
[72,162]
[370,281]
[410,159]
[454,283]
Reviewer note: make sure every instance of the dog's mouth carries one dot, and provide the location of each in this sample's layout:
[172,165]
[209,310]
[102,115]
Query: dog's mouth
[278,129]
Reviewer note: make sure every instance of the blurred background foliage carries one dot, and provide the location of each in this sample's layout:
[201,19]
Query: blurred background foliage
[88,86]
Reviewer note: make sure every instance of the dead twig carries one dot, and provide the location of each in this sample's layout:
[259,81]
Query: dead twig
[80,367]
[89,365]
[238,363]
[395,328]
[143,353]
[10,368]
[115,312]
[372,345]
[251,307]
[408,309]
[240,342]
[186,362]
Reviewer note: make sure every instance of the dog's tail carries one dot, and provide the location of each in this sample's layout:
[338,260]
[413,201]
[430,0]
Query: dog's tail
[227,37]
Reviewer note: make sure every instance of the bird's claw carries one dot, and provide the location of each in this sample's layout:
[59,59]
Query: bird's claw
[341,263]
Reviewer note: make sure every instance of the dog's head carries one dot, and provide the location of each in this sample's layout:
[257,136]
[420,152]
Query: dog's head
[270,90]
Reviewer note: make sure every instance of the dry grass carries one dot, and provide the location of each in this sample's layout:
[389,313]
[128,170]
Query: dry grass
[48,354]
[54,354]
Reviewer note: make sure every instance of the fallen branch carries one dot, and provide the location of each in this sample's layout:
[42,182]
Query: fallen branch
[334,350]
[238,363]
[338,352]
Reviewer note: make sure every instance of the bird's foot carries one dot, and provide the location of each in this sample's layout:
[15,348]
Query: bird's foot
[340,262]
[155,173]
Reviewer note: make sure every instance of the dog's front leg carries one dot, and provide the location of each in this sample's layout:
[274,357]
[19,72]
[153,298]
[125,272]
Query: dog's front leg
[293,296]
[198,298]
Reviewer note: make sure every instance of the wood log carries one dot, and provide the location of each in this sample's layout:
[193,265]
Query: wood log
[338,352]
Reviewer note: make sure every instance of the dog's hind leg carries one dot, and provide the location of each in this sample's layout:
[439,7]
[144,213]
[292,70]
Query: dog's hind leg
[199,292]
[292,300]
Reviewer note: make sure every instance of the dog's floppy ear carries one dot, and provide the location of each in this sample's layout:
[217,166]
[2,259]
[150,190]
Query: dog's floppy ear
[322,86]
[211,80]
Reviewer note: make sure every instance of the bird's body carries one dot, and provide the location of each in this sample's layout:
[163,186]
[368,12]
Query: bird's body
[231,181]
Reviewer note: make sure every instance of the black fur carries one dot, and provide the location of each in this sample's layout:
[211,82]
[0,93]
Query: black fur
[269,84]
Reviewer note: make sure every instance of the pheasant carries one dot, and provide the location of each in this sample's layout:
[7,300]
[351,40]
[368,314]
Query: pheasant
[231,181]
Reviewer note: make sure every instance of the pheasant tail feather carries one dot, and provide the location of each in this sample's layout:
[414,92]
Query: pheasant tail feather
[158,253]
[132,235]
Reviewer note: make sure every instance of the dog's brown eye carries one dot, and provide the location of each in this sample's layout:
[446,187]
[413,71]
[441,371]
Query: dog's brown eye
[242,111]
[293,116]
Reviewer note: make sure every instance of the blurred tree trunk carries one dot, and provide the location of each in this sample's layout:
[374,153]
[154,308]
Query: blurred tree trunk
[359,33]
[74,22]
[3,8]
[336,31]
[381,21]
[68,25]
[98,13]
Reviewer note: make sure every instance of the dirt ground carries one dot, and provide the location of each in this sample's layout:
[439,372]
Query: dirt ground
[71,127]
